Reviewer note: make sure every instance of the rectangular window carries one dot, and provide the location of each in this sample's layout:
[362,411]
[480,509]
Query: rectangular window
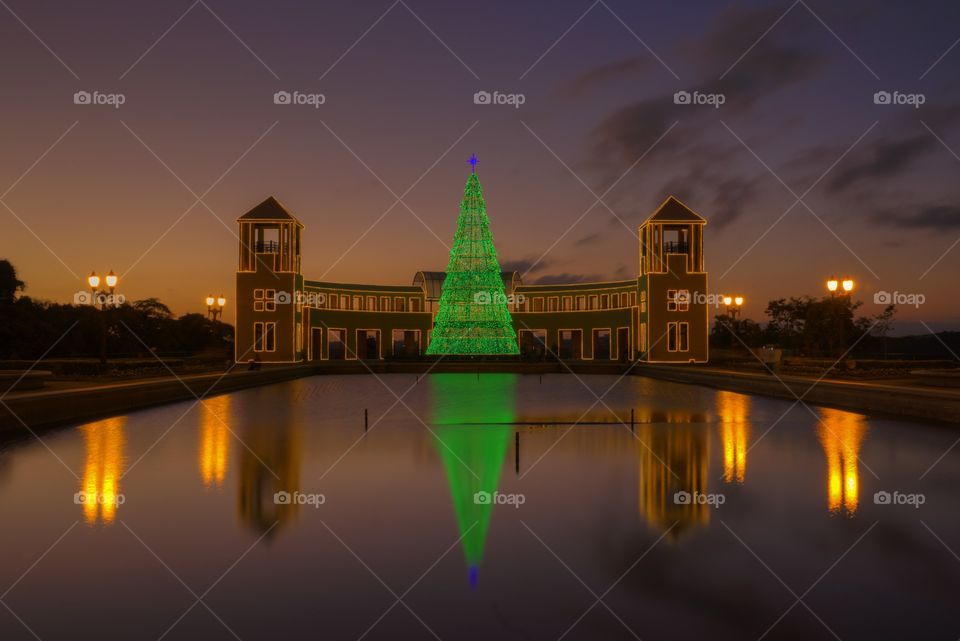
[270,337]
[414,304]
[672,337]
[371,303]
[258,337]
[538,304]
[344,301]
[593,301]
[581,303]
[683,338]
[567,303]
[671,300]
[334,300]
[384,304]
[633,299]
[258,294]
[398,304]
[552,303]
[357,303]
[615,301]
[258,305]
[604,301]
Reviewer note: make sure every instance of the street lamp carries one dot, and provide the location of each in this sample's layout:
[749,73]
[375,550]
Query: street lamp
[106,300]
[834,285]
[215,306]
[733,305]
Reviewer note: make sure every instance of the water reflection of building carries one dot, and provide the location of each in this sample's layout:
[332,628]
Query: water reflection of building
[733,410]
[841,434]
[269,463]
[472,440]
[104,442]
[214,440]
[673,459]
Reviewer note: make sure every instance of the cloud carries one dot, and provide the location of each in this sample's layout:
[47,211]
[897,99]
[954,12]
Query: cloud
[928,217]
[693,160]
[559,279]
[595,78]
[732,197]
[884,159]
[524,265]
[589,239]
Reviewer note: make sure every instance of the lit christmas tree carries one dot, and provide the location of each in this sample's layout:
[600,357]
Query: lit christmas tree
[473,316]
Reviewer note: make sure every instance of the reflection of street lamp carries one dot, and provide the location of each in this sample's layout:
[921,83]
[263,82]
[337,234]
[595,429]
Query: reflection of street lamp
[106,299]
[848,284]
[215,306]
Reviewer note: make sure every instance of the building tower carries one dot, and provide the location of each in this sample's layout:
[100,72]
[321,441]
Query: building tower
[674,314]
[269,286]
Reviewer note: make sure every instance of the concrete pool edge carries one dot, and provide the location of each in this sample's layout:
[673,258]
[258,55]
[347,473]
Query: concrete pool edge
[913,402]
[48,408]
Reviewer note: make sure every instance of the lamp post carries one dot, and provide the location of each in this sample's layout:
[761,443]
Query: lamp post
[835,286]
[733,305]
[106,299]
[840,293]
[215,306]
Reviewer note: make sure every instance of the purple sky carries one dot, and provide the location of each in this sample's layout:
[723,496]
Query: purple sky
[97,187]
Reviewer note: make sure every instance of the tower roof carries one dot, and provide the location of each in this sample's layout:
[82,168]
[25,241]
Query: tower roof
[270,209]
[672,210]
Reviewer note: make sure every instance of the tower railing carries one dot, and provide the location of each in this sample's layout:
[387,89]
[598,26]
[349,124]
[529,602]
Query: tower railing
[266,247]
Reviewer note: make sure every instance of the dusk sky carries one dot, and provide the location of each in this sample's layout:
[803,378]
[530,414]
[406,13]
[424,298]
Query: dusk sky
[89,187]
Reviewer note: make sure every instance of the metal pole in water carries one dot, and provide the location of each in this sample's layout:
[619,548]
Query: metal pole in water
[516,450]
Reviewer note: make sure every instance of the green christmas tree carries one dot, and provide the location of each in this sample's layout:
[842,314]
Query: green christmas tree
[473,316]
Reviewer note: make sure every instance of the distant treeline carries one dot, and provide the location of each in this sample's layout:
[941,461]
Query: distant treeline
[830,327]
[30,329]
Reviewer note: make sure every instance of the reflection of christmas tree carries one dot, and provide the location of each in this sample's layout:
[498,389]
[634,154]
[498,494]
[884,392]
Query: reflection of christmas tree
[473,453]
[473,316]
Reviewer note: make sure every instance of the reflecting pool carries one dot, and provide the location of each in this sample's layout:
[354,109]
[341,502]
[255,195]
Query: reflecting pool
[498,506]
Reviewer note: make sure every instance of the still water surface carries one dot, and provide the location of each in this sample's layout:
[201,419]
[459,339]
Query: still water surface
[473,509]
